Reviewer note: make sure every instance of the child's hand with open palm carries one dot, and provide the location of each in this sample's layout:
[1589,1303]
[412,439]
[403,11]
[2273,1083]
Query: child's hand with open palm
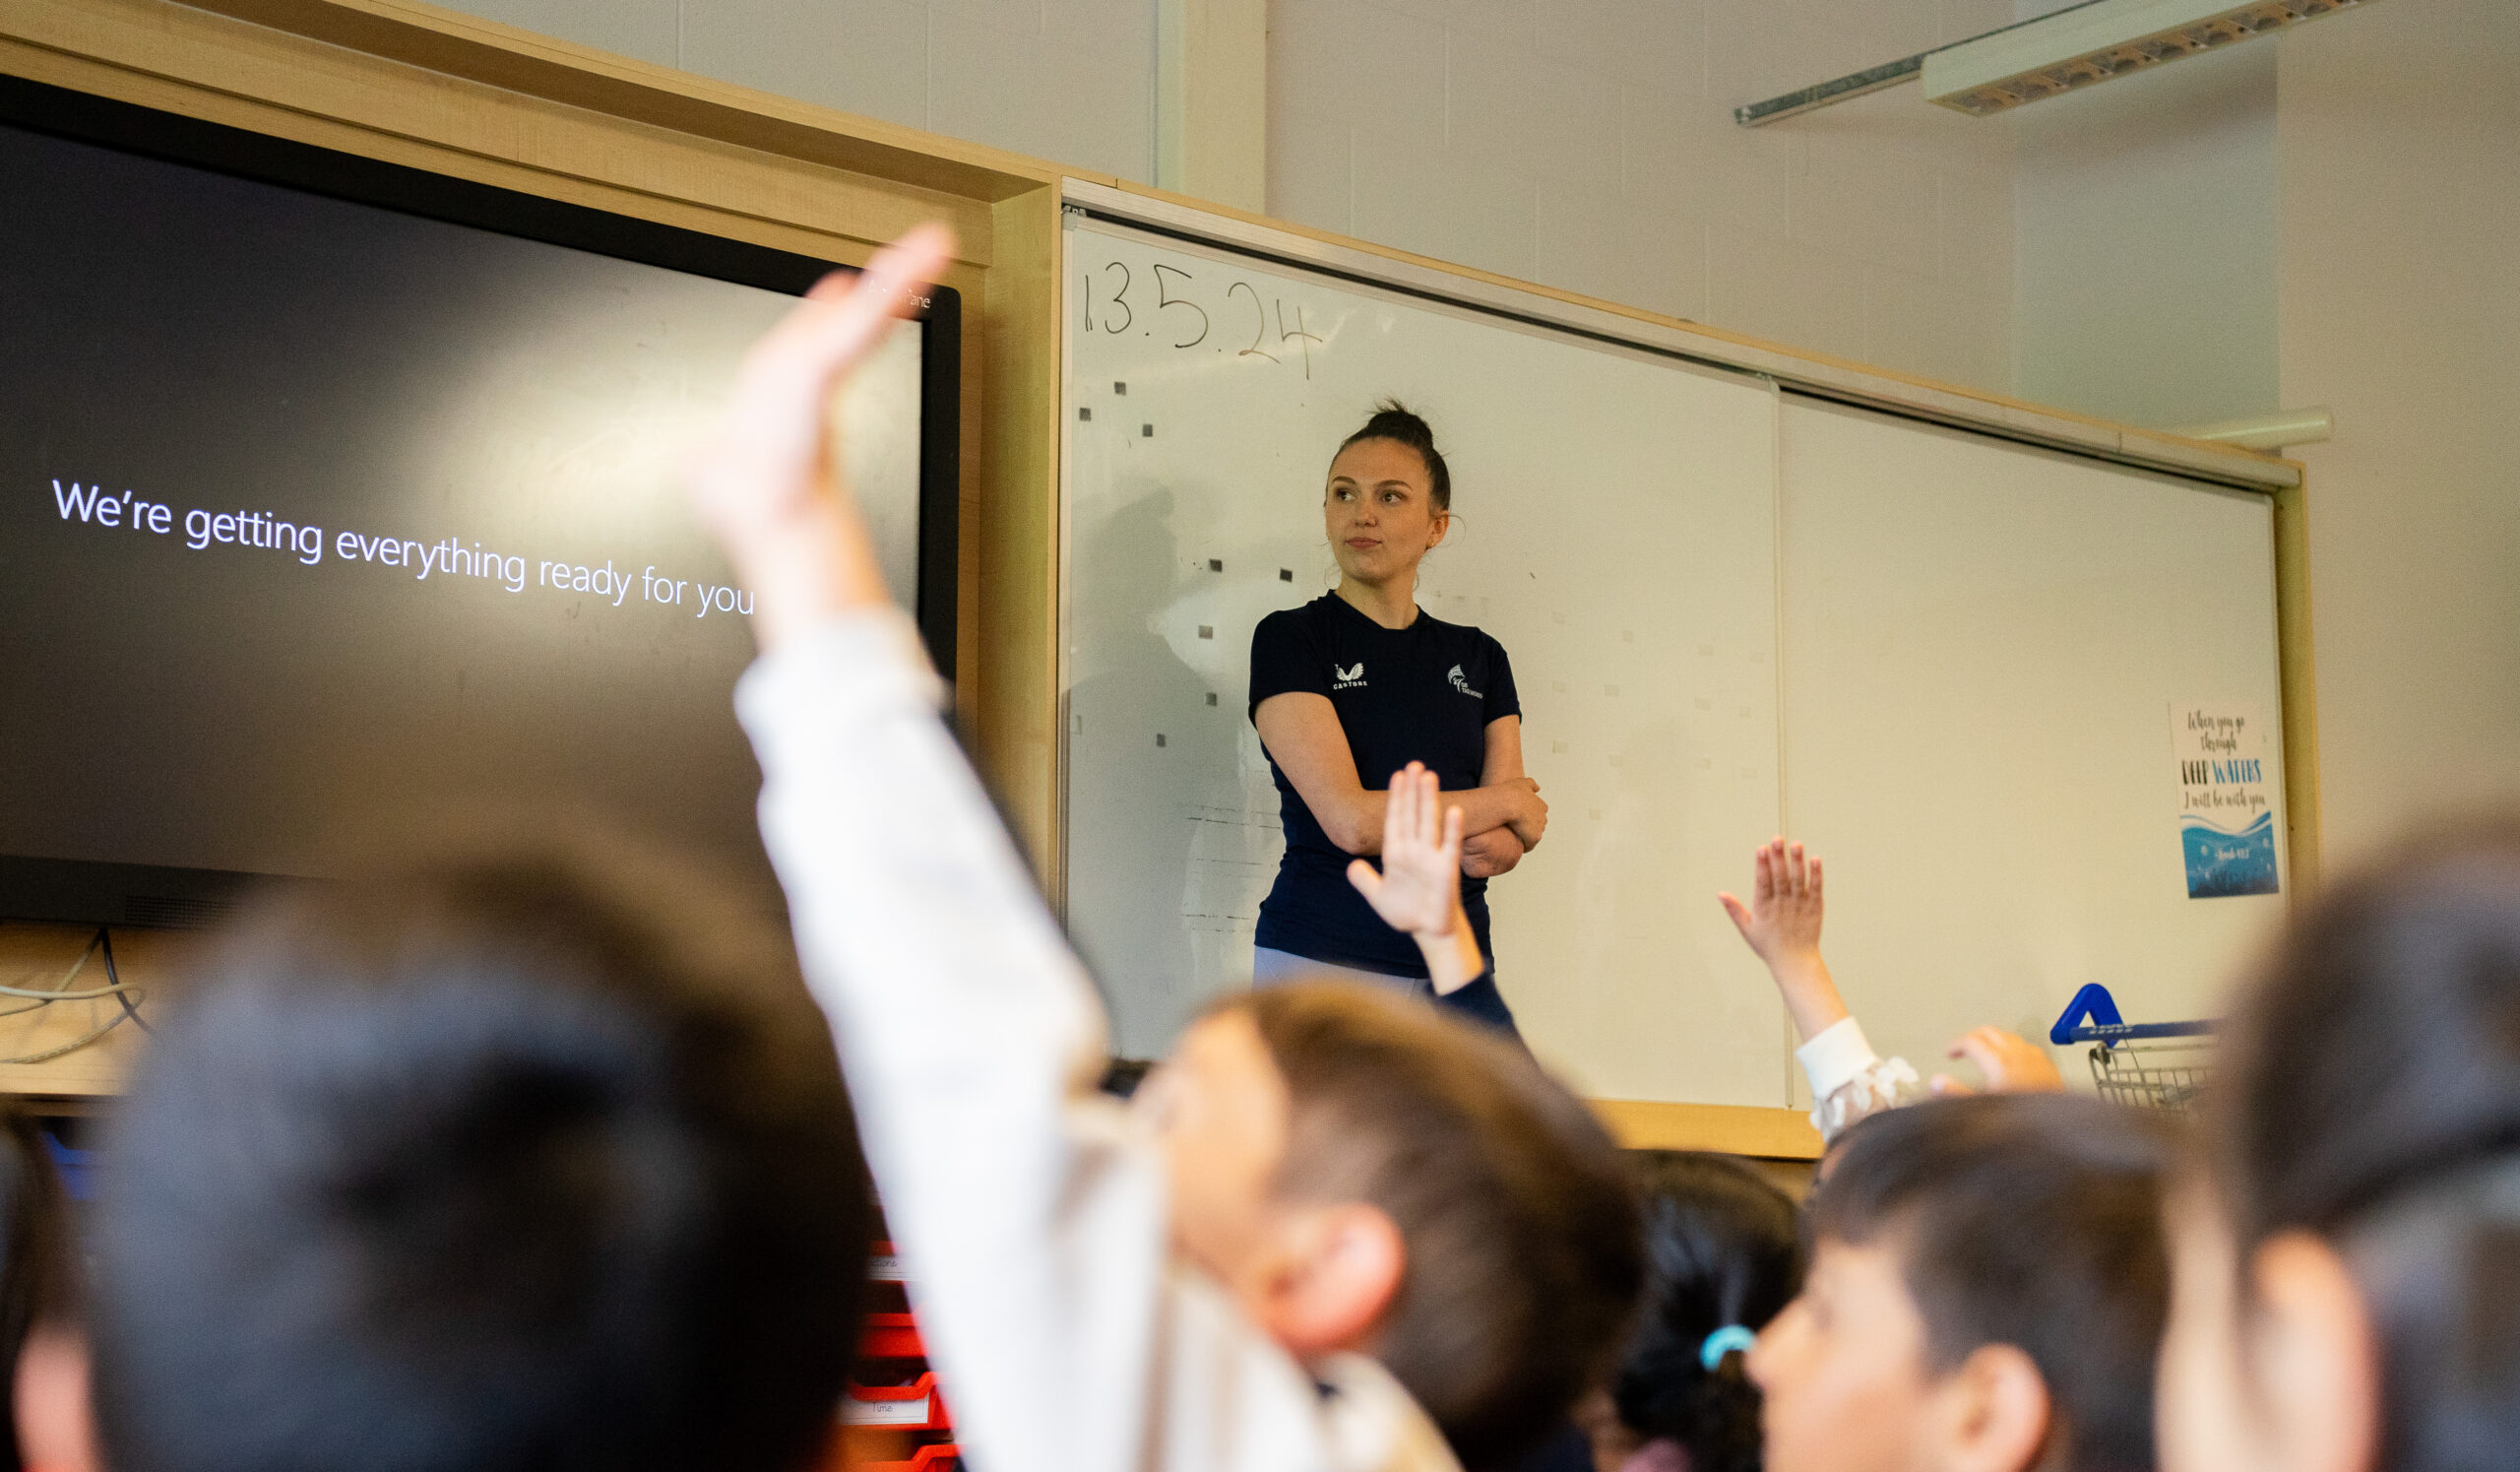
[1417,890]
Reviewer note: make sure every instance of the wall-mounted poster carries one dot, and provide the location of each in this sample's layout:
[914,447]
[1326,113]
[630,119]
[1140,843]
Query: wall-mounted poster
[2225,799]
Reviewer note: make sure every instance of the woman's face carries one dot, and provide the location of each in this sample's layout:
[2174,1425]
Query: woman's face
[1380,511]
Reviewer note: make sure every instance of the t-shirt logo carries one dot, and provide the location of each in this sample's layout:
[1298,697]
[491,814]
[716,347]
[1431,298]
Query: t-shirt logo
[1463,685]
[1347,678]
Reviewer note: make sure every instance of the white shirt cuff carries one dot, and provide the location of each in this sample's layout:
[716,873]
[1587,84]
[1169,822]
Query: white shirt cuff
[1833,1060]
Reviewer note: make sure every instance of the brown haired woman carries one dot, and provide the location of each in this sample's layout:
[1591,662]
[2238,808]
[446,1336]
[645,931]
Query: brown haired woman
[1357,684]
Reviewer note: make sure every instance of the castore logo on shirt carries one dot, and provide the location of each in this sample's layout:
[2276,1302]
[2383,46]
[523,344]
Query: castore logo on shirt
[1462,684]
[1347,678]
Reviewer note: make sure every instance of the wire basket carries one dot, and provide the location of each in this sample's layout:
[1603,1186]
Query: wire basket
[2161,1065]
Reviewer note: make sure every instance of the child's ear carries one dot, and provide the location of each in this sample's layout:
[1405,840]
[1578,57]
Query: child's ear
[2317,1357]
[1336,1270]
[1996,1412]
[56,1424]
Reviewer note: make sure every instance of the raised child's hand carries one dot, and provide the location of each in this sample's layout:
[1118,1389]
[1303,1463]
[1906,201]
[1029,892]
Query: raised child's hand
[768,482]
[1782,921]
[2010,1064]
[1418,890]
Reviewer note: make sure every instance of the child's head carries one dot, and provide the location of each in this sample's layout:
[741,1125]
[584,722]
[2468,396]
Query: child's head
[501,1162]
[2349,1282]
[1986,1293]
[1724,1255]
[1364,1174]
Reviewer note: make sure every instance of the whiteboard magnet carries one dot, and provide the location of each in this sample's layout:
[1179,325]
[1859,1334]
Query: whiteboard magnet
[1216,564]
[1207,631]
[1147,430]
[1159,739]
[1085,414]
[1212,697]
[1121,389]
[1286,574]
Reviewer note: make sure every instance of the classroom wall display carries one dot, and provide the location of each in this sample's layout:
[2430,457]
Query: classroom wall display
[1614,524]
[1939,657]
[2225,806]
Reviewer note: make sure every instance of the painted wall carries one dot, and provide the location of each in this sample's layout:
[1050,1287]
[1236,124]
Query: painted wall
[2144,275]
[1592,147]
[2398,270]
[1067,80]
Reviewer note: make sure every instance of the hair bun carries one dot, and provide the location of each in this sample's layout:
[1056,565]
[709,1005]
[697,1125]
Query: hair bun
[1398,423]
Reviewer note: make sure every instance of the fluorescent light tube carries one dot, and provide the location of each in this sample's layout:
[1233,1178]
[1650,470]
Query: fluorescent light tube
[2095,41]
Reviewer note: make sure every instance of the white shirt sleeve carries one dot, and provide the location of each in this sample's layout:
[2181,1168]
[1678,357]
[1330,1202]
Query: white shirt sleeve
[1850,1081]
[1029,1213]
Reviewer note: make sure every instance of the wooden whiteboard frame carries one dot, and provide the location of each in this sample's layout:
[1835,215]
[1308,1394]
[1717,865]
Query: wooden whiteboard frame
[1775,1133]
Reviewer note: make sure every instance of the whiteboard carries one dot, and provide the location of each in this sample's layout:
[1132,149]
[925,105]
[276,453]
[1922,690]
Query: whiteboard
[1615,516]
[1982,644]
[1945,660]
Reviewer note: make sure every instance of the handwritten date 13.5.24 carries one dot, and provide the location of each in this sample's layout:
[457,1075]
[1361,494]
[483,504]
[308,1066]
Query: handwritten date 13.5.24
[1179,318]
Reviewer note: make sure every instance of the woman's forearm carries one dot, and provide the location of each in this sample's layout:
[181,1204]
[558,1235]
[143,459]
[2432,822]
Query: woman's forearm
[1354,819]
[1484,808]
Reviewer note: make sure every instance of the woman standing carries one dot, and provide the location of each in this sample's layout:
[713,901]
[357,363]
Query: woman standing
[1357,684]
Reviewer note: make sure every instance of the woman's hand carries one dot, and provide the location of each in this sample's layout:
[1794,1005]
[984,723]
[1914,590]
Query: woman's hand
[1526,815]
[768,483]
[1485,856]
[1418,889]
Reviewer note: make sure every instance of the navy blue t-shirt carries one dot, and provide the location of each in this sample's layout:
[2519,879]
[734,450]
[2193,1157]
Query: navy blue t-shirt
[1423,693]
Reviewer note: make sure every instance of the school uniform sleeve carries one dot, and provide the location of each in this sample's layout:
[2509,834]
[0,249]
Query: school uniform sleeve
[1502,700]
[1850,1081]
[1030,1214]
[1287,655]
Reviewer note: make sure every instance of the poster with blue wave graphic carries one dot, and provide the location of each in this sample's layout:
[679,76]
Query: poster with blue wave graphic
[2225,800]
[2221,863]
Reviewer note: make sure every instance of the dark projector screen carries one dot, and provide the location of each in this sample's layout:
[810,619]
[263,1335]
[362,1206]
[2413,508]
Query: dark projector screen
[338,499]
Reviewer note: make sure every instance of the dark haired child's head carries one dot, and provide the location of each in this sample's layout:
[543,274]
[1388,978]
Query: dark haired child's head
[2349,1280]
[1364,1174]
[1724,1255]
[1987,1286]
[1389,498]
[514,1162]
